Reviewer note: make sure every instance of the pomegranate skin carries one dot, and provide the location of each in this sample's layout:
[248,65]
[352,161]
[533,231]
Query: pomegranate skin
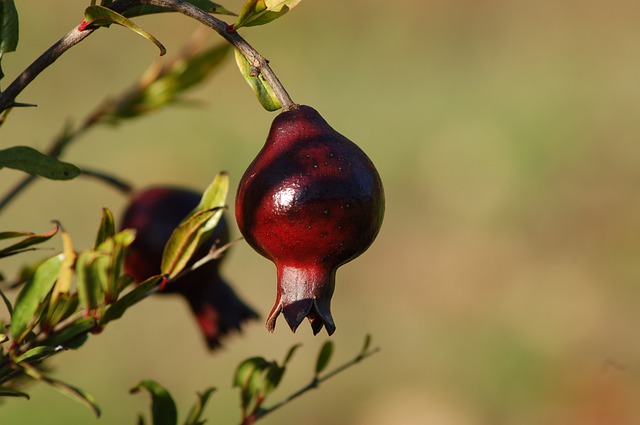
[310,202]
[154,213]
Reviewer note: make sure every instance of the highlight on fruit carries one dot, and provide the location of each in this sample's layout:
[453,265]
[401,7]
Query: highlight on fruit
[310,202]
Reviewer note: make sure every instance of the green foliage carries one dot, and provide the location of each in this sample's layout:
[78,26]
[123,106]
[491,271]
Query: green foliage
[324,357]
[9,29]
[260,12]
[33,162]
[75,293]
[163,408]
[163,84]
[52,314]
[196,227]
[100,16]
[262,89]
[29,240]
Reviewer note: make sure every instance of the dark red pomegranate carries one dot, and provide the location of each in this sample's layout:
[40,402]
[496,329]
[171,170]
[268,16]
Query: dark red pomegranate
[154,213]
[310,202]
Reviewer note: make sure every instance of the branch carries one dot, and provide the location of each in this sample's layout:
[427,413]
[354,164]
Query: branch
[259,413]
[73,37]
[221,27]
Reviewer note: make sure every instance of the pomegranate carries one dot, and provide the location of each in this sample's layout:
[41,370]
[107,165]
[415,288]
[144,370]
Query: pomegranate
[154,213]
[310,202]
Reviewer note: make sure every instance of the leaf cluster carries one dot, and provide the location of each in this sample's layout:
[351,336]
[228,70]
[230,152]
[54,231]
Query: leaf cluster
[71,294]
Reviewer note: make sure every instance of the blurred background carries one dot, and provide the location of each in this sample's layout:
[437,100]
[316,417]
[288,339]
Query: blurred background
[504,287]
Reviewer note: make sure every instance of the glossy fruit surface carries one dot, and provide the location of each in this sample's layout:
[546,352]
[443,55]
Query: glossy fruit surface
[310,202]
[154,213]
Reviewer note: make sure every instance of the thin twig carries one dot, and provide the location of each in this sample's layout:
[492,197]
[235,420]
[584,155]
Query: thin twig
[221,27]
[315,382]
[73,37]
[122,186]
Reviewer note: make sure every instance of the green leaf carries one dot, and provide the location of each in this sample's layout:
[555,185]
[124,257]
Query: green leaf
[71,391]
[6,392]
[29,239]
[7,303]
[215,195]
[366,344]
[260,12]
[193,418]
[247,377]
[324,357]
[163,84]
[63,284]
[290,354]
[163,408]
[73,335]
[33,294]
[75,393]
[206,5]
[110,263]
[89,280]
[272,378]
[195,228]
[33,162]
[9,29]
[35,353]
[117,309]
[60,309]
[256,81]
[246,368]
[96,16]
[107,227]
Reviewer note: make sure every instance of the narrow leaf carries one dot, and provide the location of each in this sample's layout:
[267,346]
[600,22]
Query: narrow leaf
[63,307]
[193,418]
[184,241]
[263,11]
[9,26]
[250,9]
[102,16]
[33,162]
[256,81]
[163,408]
[33,294]
[6,392]
[64,388]
[89,280]
[9,29]
[196,227]
[63,284]
[272,378]
[366,344]
[35,353]
[7,303]
[324,357]
[73,335]
[290,354]
[116,310]
[215,195]
[29,240]
[107,227]
[75,393]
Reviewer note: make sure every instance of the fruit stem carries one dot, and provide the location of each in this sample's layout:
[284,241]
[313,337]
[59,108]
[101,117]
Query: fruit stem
[222,28]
